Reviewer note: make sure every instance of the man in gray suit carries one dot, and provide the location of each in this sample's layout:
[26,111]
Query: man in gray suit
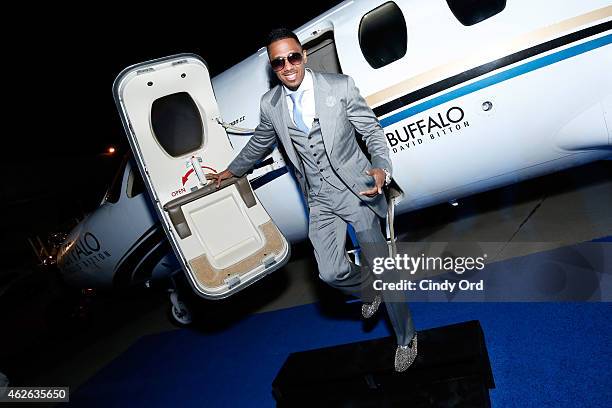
[315,117]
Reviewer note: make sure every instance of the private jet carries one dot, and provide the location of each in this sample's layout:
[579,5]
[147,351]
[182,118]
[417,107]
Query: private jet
[472,96]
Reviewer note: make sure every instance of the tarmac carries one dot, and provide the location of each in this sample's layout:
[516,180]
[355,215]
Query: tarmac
[45,343]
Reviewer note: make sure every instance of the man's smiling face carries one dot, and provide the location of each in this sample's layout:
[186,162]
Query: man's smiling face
[291,75]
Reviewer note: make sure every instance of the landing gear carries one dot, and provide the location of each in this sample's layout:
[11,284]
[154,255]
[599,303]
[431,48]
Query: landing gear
[179,312]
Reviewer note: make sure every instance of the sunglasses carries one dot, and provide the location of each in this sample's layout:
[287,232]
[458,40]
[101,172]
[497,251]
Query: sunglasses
[294,58]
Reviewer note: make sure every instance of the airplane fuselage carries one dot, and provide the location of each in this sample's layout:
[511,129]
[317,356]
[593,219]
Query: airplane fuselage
[466,109]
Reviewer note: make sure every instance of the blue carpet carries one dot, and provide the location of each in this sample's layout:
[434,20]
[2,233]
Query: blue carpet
[542,354]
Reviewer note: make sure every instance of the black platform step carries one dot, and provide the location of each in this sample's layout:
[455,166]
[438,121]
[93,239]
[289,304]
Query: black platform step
[452,369]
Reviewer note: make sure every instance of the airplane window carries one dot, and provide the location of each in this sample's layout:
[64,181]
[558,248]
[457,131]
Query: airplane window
[177,124]
[114,191]
[135,184]
[470,12]
[383,35]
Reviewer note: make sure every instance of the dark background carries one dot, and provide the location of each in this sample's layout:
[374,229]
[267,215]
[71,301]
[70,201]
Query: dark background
[61,115]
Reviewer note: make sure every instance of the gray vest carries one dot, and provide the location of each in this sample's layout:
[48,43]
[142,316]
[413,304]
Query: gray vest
[312,153]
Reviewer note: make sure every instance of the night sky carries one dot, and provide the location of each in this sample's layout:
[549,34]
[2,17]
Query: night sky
[63,103]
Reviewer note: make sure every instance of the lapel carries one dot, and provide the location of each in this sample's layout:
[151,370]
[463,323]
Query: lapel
[323,97]
[279,107]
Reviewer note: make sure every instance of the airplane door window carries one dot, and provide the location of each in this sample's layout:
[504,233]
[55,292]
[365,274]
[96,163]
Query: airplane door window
[470,12]
[383,36]
[177,124]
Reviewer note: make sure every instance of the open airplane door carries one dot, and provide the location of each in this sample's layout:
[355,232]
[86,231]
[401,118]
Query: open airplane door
[224,238]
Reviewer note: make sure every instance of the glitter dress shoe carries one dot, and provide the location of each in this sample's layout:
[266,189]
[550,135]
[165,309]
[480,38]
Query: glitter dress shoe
[368,309]
[405,355]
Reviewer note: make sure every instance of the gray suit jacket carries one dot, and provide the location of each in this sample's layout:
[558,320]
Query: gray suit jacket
[341,111]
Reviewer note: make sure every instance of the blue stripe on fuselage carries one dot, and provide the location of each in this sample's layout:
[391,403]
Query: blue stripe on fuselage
[497,78]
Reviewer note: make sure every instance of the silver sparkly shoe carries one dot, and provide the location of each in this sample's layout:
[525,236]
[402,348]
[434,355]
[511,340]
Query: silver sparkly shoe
[405,355]
[368,309]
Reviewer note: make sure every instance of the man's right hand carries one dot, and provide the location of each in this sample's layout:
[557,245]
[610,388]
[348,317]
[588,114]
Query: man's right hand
[218,177]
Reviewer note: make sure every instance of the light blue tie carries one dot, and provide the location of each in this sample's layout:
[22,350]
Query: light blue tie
[296,97]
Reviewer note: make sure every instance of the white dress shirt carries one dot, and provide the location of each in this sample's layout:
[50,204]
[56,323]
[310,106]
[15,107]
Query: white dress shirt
[308,99]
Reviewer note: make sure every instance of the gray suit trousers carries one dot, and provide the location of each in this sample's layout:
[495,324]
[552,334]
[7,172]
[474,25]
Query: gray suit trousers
[330,211]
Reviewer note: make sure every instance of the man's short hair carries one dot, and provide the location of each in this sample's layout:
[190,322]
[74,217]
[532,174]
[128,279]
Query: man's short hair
[281,34]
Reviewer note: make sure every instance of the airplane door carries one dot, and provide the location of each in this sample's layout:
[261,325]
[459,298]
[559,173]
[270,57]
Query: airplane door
[224,238]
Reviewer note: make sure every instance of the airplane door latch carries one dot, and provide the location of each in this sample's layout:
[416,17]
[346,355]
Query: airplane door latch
[197,168]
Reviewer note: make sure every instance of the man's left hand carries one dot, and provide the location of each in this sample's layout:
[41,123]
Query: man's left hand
[379,181]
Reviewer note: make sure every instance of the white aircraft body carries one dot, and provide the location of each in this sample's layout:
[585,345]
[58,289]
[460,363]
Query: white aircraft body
[469,99]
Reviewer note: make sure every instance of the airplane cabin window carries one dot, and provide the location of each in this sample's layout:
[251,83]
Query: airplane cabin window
[383,36]
[135,184]
[470,12]
[177,124]
[114,191]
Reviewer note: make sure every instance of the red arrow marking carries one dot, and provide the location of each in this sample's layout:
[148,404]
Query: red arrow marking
[186,176]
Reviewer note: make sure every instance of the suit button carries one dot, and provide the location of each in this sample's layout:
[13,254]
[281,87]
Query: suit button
[309,137]
[311,145]
[321,179]
[314,154]
[318,162]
